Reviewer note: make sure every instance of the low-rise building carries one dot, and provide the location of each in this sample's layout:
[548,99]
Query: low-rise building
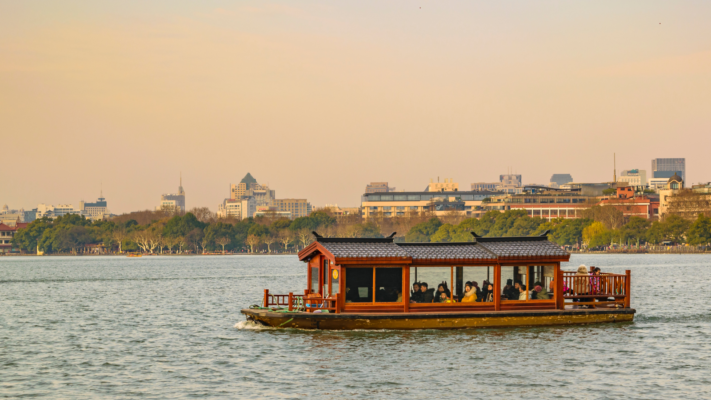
[401,204]
[545,202]
[297,207]
[240,209]
[631,204]
[271,212]
[634,177]
[378,187]
[173,201]
[6,234]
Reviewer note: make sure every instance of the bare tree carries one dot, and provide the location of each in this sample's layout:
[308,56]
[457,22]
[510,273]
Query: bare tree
[119,235]
[268,240]
[223,241]
[286,237]
[154,240]
[142,239]
[305,237]
[203,214]
[204,243]
[170,242]
[252,240]
[180,241]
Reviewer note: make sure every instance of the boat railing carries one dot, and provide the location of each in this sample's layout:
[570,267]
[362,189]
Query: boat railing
[603,289]
[301,302]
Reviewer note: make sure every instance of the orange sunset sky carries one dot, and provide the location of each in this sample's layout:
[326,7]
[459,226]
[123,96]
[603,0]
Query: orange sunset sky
[318,98]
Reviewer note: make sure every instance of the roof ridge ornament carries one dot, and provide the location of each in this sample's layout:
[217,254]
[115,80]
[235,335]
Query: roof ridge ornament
[545,233]
[316,235]
[392,235]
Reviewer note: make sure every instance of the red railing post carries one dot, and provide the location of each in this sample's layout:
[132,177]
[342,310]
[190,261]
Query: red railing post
[266,298]
[335,305]
[291,301]
[628,285]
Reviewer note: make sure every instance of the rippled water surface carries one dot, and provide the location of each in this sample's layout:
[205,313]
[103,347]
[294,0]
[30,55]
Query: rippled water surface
[164,327]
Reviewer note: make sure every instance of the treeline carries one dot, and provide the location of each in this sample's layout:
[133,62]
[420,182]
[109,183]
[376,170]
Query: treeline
[202,233]
[161,233]
[600,227]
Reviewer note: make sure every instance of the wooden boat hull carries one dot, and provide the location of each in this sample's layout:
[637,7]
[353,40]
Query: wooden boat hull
[451,320]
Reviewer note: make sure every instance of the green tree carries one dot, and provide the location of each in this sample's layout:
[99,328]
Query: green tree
[181,226]
[444,233]
[27,239]
[699,232]
[505,221]
[525,226]
[591,231]
[423,231]
[635,230]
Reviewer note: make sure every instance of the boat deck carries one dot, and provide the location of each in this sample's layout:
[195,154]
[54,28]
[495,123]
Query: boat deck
[438,320]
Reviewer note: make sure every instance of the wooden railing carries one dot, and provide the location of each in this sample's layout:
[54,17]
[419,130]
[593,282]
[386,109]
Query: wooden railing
[307,302]
[605,288]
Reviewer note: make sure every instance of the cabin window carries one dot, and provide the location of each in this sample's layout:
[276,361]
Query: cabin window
[433,277]
[388,285]
[314,280]
[325,276]
[359,285]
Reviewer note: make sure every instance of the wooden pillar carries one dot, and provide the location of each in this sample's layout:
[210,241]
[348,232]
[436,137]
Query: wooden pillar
[497,287]
[628,286]
[406,288]
[266,298]
[558,290]
[291,301]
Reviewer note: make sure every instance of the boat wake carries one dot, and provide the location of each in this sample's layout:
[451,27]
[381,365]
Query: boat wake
[251,326]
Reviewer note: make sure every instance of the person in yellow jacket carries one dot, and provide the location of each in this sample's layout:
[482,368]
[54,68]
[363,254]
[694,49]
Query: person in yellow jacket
[469,293]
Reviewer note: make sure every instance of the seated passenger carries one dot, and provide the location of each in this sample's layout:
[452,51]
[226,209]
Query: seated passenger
[522,295]
[416,295]
[441,288]
[484,290]
[489,293]
[399,296]
[507,289]
[515,292]
[469,293]
[475,285]
[427,294]
[444,298]
[541,294]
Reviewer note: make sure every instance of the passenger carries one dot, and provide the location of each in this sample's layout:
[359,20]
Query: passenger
[522,294]
[484,290]
[469,293]
[399,296]
[443,298]
[581,283]
[507,289]
[541,294]
[415,294]
[489,293]
[442,288]
[515,292]
[475,285]
[427,294]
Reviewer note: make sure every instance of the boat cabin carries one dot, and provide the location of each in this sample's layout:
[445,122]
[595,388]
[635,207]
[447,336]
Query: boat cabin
[364,275]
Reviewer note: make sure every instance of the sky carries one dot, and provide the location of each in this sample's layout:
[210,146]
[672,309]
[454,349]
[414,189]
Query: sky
[318,98]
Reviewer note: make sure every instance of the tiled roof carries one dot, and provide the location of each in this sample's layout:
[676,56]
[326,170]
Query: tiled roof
[364,249]
[522,247]
[4,227]
[441,251]
[491,248]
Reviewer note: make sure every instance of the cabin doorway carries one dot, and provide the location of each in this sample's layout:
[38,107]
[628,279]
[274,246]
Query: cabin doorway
[335,279]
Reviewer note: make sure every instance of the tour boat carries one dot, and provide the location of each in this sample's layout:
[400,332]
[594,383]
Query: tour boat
[364,283]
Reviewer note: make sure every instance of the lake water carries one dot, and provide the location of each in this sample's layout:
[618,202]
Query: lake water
[165,327]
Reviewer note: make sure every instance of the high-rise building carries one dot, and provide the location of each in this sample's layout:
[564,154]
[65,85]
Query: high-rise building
[173,201]
[669,164]
[378,187]
[259,198]
[96,210]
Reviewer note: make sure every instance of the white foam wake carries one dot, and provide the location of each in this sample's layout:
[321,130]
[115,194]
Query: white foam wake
[251,325]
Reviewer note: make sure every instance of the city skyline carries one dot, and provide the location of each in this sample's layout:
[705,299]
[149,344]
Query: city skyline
[129,94]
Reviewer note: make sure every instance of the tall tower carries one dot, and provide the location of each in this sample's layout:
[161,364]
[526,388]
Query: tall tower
[614,167]
[180,188]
